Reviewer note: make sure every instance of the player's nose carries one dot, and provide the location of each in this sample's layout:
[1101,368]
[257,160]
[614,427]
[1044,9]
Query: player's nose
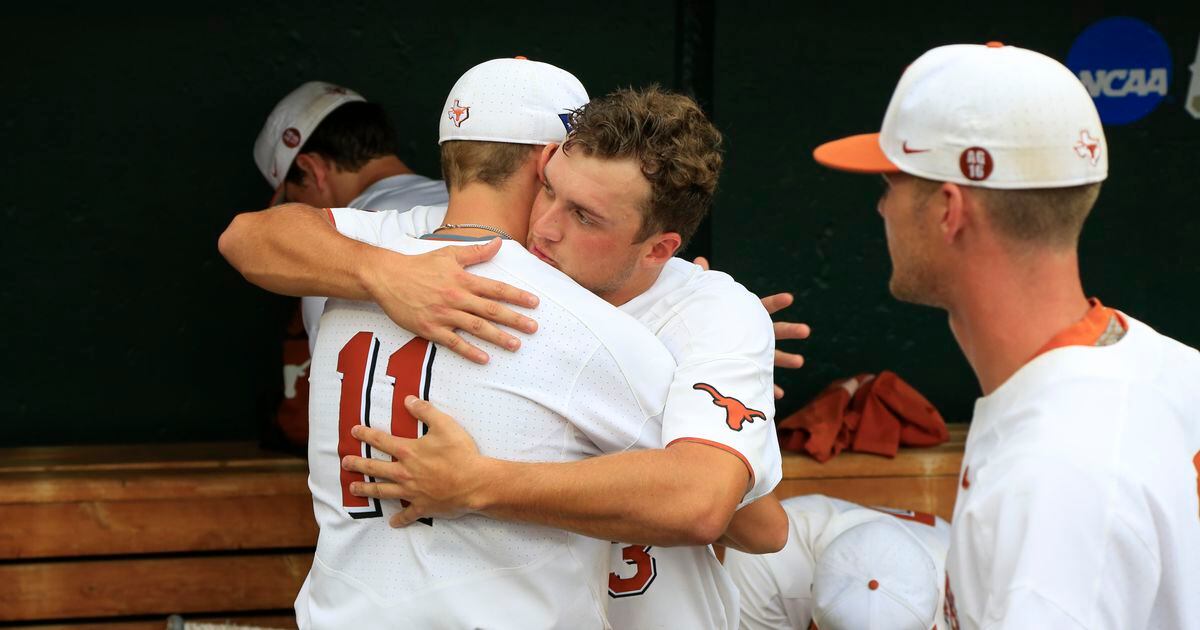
[548,225]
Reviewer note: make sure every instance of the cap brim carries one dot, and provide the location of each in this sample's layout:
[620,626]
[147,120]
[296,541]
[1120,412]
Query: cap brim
[857,154]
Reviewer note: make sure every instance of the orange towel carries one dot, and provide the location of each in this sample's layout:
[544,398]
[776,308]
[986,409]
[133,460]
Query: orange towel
[866,414]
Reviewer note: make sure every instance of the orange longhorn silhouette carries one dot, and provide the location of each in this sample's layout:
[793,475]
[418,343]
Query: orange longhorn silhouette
[736,414]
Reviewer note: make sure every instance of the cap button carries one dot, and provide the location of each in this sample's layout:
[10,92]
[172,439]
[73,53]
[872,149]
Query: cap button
[995,44]
[521,57]
[873,584]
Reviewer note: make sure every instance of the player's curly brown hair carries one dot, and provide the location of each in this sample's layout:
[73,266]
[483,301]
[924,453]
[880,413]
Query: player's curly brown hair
[677,148]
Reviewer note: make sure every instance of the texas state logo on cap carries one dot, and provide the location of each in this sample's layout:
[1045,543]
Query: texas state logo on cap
[517,100]
[992,116]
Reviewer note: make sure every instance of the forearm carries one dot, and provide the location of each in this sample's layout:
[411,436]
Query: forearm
[294,250]
[683,495]
[761,527]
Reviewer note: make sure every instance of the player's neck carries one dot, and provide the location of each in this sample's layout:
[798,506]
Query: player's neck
[639,283]
[505,208]
[1006,312]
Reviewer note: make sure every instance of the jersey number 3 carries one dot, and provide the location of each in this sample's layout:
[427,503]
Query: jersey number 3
[407,374]
[647,569]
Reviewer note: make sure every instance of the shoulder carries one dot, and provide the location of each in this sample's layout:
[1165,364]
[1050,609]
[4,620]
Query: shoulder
[402,192]
[709,314]
[712,295]
[622,336]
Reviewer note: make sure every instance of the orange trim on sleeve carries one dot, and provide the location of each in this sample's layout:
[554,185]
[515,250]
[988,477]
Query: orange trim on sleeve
[723,447]
[332,221]
[1087,331]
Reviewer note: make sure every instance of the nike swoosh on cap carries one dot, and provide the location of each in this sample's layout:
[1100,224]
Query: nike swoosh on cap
[908,150]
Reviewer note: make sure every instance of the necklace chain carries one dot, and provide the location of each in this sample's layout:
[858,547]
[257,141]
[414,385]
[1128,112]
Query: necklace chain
[455,226]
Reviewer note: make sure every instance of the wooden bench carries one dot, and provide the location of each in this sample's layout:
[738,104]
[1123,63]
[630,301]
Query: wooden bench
[921,479]
[122,536]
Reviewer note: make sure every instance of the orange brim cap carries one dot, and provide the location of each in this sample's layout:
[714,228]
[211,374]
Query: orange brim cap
[857,154]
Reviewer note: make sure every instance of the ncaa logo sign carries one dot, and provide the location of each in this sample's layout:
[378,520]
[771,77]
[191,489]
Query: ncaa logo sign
[1125,66]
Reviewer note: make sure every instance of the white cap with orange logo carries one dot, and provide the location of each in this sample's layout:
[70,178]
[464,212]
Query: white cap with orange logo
[511,100]
[292,122]
[993,116]
[873,573]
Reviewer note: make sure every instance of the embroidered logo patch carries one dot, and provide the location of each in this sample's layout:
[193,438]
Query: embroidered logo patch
[736,413]
[1088,147]
[459,113]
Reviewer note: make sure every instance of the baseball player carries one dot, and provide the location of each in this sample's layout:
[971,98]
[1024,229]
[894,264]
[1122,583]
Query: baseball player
[1078,502]
[720,451]
[692,487]
[592,364]
[846,567]
[324,145]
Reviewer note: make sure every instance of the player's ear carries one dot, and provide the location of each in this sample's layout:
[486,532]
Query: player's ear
[952,210]
[548,152]
[662,247]
[315,169]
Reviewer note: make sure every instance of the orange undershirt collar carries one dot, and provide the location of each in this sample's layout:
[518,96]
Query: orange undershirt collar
[1101,326]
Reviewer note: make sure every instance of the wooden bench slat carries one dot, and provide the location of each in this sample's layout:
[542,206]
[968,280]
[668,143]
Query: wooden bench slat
[200,455]
[133,486]
[923,479]
[259,621]
[934,495]
[109,588]
[98,528]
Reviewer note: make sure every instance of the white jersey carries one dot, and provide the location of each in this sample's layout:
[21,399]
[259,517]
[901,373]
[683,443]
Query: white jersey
[592,381]
[398,192]
[777,588]
[722,395]
[1078,503]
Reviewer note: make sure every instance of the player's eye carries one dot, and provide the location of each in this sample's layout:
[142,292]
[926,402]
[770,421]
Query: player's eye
[583,218]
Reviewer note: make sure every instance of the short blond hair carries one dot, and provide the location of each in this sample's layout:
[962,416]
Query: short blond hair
[492,163]
[1045,217]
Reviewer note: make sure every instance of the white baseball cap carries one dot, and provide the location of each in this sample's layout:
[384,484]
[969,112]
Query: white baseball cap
[873,574]
[292,122]
[993,116]
[511,100]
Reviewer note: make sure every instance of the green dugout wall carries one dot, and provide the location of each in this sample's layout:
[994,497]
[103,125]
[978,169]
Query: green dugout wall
[127,136]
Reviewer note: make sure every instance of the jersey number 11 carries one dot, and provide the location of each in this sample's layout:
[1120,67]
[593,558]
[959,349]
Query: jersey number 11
[408,370]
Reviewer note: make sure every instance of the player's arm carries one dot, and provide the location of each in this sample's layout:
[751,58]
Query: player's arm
[294,249]
[760,527]
[684,494]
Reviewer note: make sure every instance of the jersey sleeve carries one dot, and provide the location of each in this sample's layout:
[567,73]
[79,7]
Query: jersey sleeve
[722,394]
[373,228]
[1064,547]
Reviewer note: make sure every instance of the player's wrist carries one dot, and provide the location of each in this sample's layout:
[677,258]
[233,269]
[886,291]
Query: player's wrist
[368,269]
[491,477]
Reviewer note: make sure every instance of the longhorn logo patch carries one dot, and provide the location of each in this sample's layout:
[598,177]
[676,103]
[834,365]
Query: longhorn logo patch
[736,413]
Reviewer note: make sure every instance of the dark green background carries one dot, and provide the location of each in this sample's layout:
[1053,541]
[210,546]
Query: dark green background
[127,142]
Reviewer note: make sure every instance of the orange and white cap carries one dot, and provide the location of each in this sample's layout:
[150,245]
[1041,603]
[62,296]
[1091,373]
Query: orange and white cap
[292,122]
[511,100]
[872,573]
[993,116]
